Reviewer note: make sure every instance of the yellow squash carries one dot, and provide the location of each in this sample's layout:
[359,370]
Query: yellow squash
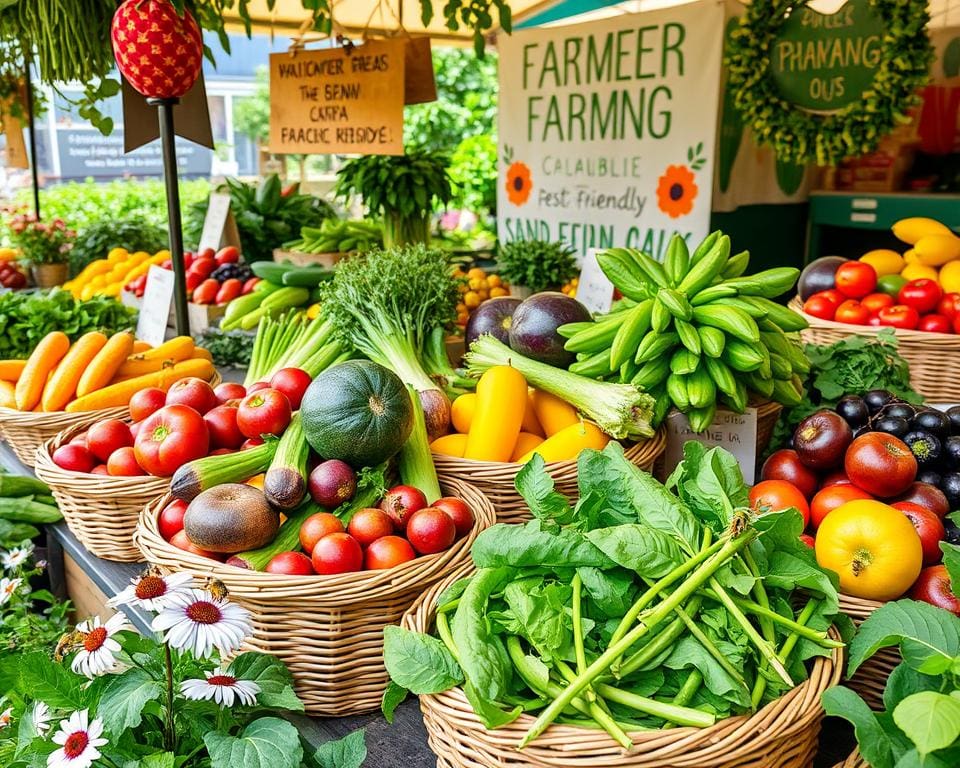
[501,401]
[62,386]
[554,414]
[566,444]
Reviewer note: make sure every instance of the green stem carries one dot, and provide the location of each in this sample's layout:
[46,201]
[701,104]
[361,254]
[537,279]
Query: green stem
[766,626]
[690,686]
[169,735]
[443,629]
[657,615]
[712,649]
[820,638]
[669,712]
[578,648]
[785,650]
[659,644]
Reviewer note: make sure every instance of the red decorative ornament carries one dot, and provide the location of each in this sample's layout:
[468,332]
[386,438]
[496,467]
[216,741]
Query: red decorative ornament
[159,52]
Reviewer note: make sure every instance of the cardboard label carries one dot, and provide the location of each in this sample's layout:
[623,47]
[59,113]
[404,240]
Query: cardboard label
[735,432]
[334,102]
[594,290]
[155,309]
[215,222]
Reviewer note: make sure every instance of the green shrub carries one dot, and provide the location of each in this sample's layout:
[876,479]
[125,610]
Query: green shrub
[473,168]
[537,264]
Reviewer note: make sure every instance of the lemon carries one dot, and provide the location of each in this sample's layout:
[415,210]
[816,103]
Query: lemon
[937,250]
[884,261]
[912,229]
[950,277]
[918,271]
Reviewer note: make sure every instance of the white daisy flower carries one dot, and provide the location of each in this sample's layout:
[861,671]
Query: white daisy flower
[7,588]
[197,621]
[41,717]
[222,687]
[97,654]
[16,557]
[78,742]
[7,715]
[150,591]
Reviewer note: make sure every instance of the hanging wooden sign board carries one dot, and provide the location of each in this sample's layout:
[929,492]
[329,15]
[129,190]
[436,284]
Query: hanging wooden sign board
[335,102]
[12,126]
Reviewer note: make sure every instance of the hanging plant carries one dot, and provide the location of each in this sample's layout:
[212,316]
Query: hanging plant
[798,135]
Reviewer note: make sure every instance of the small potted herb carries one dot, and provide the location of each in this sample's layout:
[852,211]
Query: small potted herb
[403,188]
[531,266]
[45,246]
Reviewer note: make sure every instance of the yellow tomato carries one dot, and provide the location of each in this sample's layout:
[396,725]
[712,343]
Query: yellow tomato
[918,271]
[471,299]
[950,277]
[7,254]
[873,547]
[910,257]
[476,273]
[884,261]
[494,281]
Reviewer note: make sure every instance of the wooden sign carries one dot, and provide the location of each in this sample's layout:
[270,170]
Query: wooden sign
[334,102]
[219,226]
[191,117]
[419,83]
[823,63]
[735,432]
[16,150]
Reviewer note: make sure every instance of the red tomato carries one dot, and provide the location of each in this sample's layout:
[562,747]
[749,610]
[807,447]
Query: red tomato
[249,285]
[949,305]
[400,502]
[188,258]
[459,512]
[228,255]
[387,552]
[229,390]
[785,464]
[430,530]
[874,302]
[170,438]
[820,306]
[779,494]
[193,281]
[293,382]
[147,401]
[929,528]
[192,391]
[80,439]
[100,469]
[933,586]
[180,541]
[833,296]
[123,463]
[222,451]
[368,525]
[852,312]
[265,412]
[206,253]
[228,291]
[899,316]
[170,521]
[74,458]
[337,553]
[290,563]
[880,464]
[855,279]
[807,539]
[835,478]
[935,324]
[104,437]
[829,498]
[257,386]
[923,295]
[135,430]
[222,425]
[204,265]
[316,527]
[206,292]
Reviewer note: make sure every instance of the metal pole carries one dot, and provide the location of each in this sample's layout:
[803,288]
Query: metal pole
[33,142]
[170,180]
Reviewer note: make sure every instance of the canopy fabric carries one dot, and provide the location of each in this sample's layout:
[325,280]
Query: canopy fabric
[374,17]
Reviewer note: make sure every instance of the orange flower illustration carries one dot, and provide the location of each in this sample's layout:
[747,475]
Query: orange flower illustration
[676,191]
[519,183]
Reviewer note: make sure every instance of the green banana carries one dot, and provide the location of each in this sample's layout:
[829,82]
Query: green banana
[569,330]
[736,265]
[700,388]
[712,340]
[769,284]
[713,293]
[784,317]
[786,393]
[756,312]
[703,273]
[676,302]
[621,270]
[652,268]
[780,366]
[730,320]
[722,375]
[688,335]
[739,399]
[593,339]
[701,418]
[760,385]
[677,391]
[654,345]
[677,261]
[661,317]
[631,333]
[741,356]
[652,373]
[594,366]
[682,362]
[706,245]
[628,370]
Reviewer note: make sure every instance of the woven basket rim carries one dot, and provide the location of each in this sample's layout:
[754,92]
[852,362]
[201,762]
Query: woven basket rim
[854,760]
[63,419]
[349,587]
[420,616]
[849,601]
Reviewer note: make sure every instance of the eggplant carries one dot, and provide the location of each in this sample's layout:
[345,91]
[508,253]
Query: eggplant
[494,316]
[533,332]
[818,276]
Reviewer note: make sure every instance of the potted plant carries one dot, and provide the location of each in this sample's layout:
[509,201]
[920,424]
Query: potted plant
[531,266]
[403,188]
[45,246]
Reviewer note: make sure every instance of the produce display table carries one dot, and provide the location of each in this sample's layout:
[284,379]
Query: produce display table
[874,211]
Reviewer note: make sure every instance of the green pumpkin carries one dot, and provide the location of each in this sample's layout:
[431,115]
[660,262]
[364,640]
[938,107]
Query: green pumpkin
[358,412]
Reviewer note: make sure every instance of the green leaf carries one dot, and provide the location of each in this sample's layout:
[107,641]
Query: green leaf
[489,713]
[788,572]
[530,545]
[419,663]
[348,752]
[649,552]
[612,591]
[876,746]
[43,679]
[536,486]
[930,719]
[921,631]
[268,742]
[689,652]
[159,760]
[393,697]
[273,677]
[903,682]
[482,654]
[123,699]
[951,559]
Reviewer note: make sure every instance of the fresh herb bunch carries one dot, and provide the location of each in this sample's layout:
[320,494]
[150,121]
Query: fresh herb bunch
[637,608]
[40,242]
[920,724]
[537,264]
[267,215]
[403,188]
[852,366]
[25,318]
[228,348]
[95,241]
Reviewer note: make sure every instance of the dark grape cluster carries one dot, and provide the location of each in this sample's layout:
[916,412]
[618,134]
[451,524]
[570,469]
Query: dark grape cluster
[241,272]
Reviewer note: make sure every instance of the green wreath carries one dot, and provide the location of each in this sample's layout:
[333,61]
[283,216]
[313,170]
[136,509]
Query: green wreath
[799,136]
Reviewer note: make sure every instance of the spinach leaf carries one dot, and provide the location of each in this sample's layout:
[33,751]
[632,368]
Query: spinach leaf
[876,744]
[689,652]
[951,559]
[541,611]
[393,697]
[612,592]
[930,719]
[532,546]
[789,572]
[710,483]
[534,483]
[649,552]
[489,713]
[903,682]
[419,663]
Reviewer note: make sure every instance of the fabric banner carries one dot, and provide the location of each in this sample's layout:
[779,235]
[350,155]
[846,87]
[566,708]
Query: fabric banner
[608,129]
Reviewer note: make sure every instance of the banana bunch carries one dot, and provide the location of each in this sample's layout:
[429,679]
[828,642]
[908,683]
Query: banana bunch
[694,332]
[334,236]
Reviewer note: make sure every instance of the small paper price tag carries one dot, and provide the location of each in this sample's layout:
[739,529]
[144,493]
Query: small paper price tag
[216,220]
[594,290]
[735,432]
[155,310]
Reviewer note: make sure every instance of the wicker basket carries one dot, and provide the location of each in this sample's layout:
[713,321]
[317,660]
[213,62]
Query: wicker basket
[871,677]
[497,480]
[101,511]
[25,431]
[781,735]
[853,761]
[327,629]
[934,358]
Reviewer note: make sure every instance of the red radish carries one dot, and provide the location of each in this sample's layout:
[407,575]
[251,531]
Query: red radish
[170,520]
[337,553]
[459,512]
[74,458]
[104,437]
[400,502]
[331,483]
[293,382]
[290,563]
[430,530]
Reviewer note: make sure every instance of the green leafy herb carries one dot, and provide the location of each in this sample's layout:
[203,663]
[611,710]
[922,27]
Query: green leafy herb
[229,348]
[537,264]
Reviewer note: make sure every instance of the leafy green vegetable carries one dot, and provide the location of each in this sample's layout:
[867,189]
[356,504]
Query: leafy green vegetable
[419,663]
[229,348]
[537,264]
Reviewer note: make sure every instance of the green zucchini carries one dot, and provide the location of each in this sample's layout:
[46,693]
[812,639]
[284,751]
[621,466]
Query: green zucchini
[26,510]
[285,484]
[271,271]
[416,462]
[307,277]
[19,485]
[196,476]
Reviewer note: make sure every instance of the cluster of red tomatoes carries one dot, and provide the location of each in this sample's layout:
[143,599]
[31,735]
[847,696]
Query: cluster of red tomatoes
[866,516]
[213,277]
[919,305]
[189,421]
